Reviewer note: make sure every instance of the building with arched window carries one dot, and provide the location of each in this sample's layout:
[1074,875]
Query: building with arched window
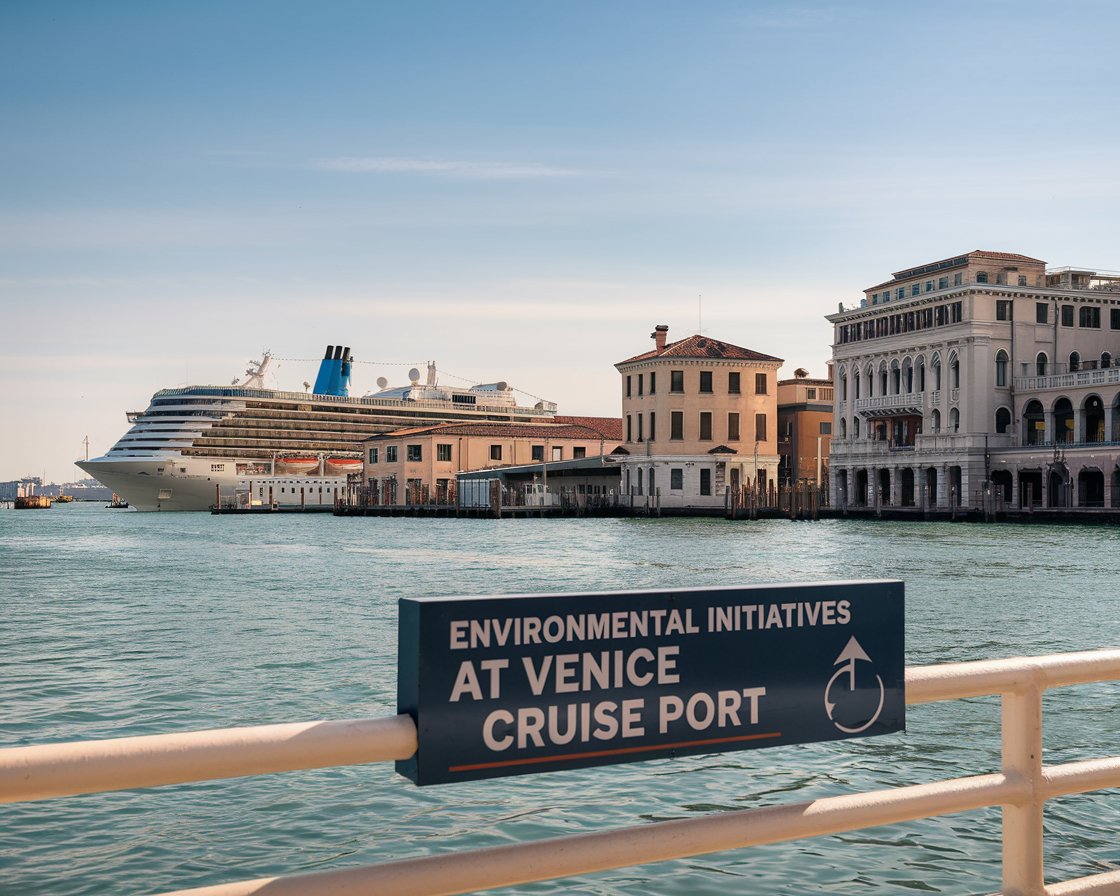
[1005,386]
[700,416]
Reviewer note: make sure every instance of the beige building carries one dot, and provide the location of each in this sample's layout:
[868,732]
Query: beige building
[986,375]
[699,416]
[804,429]
[419,464]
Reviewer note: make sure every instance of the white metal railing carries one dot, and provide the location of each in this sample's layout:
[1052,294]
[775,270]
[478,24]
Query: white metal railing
[1021,787]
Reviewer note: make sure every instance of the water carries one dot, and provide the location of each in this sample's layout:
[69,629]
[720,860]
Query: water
[118,623]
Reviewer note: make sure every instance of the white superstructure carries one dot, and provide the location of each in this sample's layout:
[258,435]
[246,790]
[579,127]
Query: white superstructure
[196,442]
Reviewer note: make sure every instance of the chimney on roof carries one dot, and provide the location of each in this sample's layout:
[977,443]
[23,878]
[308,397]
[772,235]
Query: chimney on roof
[658,336]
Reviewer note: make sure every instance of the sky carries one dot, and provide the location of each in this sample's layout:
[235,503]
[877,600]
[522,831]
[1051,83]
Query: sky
[515,190]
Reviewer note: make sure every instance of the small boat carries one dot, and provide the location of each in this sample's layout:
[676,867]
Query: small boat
[64,499]
[32,502]
[118,503]
[297,464]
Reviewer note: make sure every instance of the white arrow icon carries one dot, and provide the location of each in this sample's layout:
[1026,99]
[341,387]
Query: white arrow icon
[849,656]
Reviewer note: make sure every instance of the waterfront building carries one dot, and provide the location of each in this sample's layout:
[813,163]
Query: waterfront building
[804,428]
[419,464]
[984,377]
[700,416]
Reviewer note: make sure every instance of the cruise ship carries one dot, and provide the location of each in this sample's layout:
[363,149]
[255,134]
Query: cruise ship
[195,443]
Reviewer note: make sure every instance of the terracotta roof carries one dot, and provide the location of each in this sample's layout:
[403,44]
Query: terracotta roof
[975,253]
[503,431]
[702,347]
[1005,256]
[805,379]
[609,427]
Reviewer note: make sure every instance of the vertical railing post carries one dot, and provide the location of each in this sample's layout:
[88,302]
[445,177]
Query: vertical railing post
[1022,822]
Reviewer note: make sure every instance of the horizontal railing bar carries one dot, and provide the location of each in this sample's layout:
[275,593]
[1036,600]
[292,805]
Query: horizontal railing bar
[660,841]
[1107,884]
[1079,777]
[952,681]
[53,770]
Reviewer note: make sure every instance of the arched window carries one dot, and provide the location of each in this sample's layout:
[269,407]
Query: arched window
[920,364]
[843,427]
[1034,423]
[1074,362]
[1003,420]
[855,427]
[954,372]
[855,383]
[935,421]
[896,378]
[1106,360]
[936,372]
[883,379]
[908,376]
[954,420]
[870,382]
[1040,364]
[843,384]
[1001,369]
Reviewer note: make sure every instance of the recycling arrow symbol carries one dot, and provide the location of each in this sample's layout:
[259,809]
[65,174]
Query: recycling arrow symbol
[851,654]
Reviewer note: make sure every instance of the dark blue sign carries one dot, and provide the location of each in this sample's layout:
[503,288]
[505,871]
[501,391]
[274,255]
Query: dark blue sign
[516,684]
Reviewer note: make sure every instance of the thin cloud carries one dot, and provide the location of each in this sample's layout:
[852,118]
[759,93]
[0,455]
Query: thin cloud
[448,169]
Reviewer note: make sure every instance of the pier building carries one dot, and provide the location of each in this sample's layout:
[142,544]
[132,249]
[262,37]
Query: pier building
[419,464]
[699,415]
[981,380]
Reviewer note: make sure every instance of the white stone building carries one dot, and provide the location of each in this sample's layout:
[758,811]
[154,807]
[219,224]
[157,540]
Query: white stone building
[982,377]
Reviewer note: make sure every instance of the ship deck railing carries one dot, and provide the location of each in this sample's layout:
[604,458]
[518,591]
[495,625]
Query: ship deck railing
[1021,786]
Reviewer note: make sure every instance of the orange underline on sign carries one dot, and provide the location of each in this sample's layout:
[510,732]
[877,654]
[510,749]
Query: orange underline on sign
[621,751]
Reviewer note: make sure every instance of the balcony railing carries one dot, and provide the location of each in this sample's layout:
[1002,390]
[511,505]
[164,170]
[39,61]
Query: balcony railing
[1068,380]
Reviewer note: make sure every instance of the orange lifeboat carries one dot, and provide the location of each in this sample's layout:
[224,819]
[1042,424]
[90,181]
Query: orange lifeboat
[344,464]
[297,464]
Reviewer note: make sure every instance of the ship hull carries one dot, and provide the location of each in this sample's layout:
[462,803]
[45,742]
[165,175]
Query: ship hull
[159,484]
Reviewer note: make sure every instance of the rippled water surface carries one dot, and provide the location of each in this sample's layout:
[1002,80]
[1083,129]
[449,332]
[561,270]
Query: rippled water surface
[117,623]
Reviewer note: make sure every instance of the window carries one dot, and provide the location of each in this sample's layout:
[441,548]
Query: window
[628,379]
[705,426]
[760,384]
[954,374]
[652,426]
[1003,309]
[826,428]
[942,282]
[760,427]
[705,381]
[1040,364]
[1074,362]
[1067,315]
[901,292]
[810,393]
[705,481]
[676,478]
[982,277]
[443,452]
[1003,420]
[536,453]
[579,452]
[1001,368]
[733,382]
[629,429]
[957,279]
[652,383]
[415,452]
[1022,279]
[495,452]
[652,489]
[676,380]
[641,434]
[1114,318]
[676,425]
[929,286]
[557,452]
[915,289]
[1106,360]
[217,468]
[641,384]
[733,427]
[954,420]
[373,455]
[390,454]
[1089,316]
[1041,313]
